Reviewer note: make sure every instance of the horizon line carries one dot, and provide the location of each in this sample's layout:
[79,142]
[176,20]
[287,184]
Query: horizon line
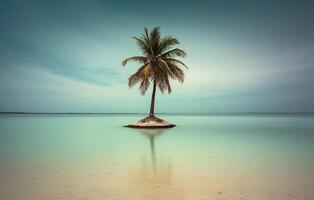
[180,113]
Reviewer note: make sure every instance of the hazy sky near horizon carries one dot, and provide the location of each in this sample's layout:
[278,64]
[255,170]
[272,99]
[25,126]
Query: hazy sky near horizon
[243,56]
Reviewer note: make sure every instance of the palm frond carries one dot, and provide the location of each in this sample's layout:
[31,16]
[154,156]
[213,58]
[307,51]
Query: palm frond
[146,33]
[164,68]
[173,53]
[140,59]
[146,37]
[144,85]
[166,43]
[164,85]
[133,79]
[155,40]
[168,85]
[144,46]
[176,61]
[178,73]
[142,73]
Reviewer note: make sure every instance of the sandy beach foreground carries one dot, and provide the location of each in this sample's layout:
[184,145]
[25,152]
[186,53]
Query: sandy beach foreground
[143,183]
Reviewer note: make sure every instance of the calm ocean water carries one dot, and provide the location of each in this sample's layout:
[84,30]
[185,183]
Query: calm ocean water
[204,157]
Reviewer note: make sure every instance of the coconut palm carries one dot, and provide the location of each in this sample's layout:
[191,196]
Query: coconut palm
[158,64]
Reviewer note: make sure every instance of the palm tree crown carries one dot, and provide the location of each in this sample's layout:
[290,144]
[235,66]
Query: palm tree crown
[158,63]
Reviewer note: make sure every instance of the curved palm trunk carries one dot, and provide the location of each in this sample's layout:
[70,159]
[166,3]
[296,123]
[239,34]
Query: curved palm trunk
[152,102]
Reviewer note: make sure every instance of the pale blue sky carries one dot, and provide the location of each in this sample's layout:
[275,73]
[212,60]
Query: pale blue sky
[243,56]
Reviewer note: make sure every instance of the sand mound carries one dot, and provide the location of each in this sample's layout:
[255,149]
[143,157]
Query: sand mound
[151,122]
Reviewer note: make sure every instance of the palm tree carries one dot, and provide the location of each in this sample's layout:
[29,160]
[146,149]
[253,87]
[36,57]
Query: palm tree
[158,64]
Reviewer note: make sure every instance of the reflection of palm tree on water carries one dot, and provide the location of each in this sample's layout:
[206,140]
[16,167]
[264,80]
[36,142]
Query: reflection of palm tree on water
[155,182]
[151,134]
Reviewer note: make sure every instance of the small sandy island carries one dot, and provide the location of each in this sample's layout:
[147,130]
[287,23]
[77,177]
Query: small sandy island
[151,122]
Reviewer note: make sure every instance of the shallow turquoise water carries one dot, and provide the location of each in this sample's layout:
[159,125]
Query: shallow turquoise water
[216,157]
